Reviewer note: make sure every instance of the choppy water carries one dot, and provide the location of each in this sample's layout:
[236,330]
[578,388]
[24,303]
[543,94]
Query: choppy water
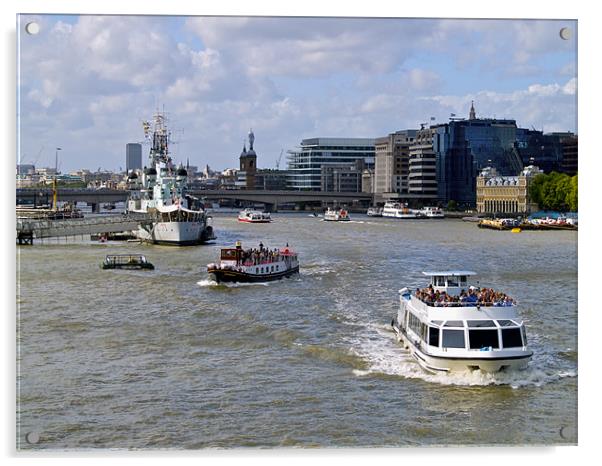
[167,359]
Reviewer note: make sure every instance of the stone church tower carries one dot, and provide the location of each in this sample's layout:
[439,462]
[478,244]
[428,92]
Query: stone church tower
[248,163]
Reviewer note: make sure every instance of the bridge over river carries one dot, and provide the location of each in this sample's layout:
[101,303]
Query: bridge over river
[271,199]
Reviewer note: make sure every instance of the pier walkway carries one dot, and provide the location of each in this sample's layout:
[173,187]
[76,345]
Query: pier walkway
[28,229]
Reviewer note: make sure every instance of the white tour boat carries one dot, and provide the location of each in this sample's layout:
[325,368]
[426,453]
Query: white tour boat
[336,215]
[432,212]
[375,212]
[254,265]
[175,218]
[451,326]
[399,210]
[254,216]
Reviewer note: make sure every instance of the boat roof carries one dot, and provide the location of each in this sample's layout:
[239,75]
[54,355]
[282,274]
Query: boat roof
[449,273]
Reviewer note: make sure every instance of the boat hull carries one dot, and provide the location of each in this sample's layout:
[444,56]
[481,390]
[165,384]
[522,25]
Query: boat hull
[404,216]
[244,220]
[439,364]
[235,276]
[175,233]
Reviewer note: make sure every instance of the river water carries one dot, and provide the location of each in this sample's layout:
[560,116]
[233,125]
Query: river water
[167,359]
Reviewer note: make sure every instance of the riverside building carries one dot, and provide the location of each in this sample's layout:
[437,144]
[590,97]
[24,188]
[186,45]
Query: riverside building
[422,176]
[305,163]
[343,178]
[505,195]
[463,147]
[133,157]
[392,161]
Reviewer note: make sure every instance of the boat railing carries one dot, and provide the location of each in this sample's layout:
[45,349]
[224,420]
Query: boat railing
[466,303]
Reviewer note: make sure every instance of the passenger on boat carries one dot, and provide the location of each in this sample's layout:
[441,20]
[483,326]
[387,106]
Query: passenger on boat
[482,297]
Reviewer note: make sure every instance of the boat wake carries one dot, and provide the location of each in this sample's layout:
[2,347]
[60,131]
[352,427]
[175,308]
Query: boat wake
[384,355]
[317,268]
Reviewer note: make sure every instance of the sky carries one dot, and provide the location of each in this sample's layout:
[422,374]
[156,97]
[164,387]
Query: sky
[86,83]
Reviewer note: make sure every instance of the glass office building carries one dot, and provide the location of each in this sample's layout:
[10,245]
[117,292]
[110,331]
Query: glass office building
[464,147]
[305,162]
[133,157]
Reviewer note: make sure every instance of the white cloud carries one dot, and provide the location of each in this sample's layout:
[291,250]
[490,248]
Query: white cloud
[551,106]
[86,86]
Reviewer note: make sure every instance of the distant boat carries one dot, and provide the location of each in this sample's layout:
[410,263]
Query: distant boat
[401,211]
[126,261]
[432,212]
[336,215]
[375,212]
[254,216]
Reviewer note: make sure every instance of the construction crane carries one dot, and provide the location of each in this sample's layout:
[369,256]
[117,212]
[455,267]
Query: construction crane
[34,162]
[278,160]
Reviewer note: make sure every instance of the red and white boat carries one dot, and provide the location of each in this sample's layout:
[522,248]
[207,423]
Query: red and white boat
[254,265]
[336,215]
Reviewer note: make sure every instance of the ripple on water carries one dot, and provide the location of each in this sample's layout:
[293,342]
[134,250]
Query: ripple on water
[170,358]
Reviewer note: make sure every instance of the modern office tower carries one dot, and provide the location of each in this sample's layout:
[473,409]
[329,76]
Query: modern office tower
[422,177]
[570,153]
[271,180]
[392,155]
[133,157]
[306,161]
[544,150]
[343,178]
[464,147]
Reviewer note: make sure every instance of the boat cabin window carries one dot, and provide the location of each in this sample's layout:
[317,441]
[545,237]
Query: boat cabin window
[229,254]
[507,323]
[438,280]
[522,329]
[453,339]
[454,323]
[417,326]
[463,281]
[483,339]
[481,323]
[452,281]
[434,336]
[511,337]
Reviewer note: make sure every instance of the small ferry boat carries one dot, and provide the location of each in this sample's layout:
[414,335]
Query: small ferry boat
[375,212]
[336,215]
[126,261]
[254,265]
[432,212]
[451,326]
[399,210]
[254,216]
